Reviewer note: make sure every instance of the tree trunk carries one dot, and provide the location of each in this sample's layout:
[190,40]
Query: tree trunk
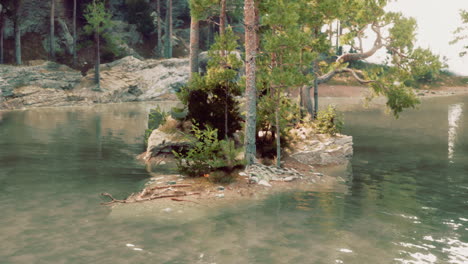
[170,28]
[306,100]
[194,45]
[74,33]
[222,18]
[17,31]
[2,31]
[315,99]
[97,77]
[52,30]
[168,31]
[226,117]
[160,46]
[251,91]
[278,137]
[337,37]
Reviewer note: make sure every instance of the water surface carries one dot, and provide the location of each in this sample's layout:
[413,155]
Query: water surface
[407,201]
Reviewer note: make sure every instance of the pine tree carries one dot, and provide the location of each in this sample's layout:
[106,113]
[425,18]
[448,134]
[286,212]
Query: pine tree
[99,23]
[251,90]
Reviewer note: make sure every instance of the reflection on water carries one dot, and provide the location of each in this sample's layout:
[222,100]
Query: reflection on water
[454,114]
[406,202]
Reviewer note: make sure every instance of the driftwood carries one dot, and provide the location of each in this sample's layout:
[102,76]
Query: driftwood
[142,196]
[170,186]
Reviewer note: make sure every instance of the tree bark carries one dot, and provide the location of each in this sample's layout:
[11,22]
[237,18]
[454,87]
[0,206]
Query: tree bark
[52,30]
[168,31]
[314,116]
[97,69]
[2,31]
[17,31]
[194,45]
[160,46]
[306,100]
[74,33]
[251,91]
[278,137]
[222,18]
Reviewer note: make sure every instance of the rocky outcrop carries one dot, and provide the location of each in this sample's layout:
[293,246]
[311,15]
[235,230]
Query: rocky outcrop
[321,149]
[128,79]
[161,142]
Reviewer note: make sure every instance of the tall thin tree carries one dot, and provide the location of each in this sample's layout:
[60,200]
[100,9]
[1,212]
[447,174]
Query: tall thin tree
[17,32]
[74,33]
[168,30]
[222,18]
[52,30]
[194,44]
[2,30]
[251,91]
[159,26]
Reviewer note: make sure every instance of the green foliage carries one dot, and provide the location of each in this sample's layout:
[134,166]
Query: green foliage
[288,110]
[425,66]
[139,13]
[156,118]
[329,121]
[207,154]
[99,21]
[461,33]
[211,98]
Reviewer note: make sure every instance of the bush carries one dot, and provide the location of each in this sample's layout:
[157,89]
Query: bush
[208,154]
[329,121]
[156,118]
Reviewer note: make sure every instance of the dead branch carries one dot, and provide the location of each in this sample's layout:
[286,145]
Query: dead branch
[170,186]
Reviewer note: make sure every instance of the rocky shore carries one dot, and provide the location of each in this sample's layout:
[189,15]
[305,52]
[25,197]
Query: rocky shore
[129,79]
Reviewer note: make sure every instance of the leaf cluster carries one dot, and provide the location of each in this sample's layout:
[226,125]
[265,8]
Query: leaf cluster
[207,153]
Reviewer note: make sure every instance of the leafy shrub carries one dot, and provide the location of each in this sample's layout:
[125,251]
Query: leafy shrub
[207,154]
[156,118]
[329,121]
[210,99]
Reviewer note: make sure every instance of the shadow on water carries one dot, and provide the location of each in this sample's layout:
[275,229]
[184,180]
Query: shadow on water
[406,201]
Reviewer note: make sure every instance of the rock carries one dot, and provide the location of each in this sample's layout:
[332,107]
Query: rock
[220,195]
[289,179]
[220,188]
[325,151]
[171,182]
[243,174]
[125,80]
[167,210]
[254,179]
[264,183]
[161,142]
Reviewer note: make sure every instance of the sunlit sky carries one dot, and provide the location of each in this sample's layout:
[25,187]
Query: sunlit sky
[437,19]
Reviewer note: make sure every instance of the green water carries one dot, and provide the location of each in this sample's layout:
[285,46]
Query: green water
[406,202]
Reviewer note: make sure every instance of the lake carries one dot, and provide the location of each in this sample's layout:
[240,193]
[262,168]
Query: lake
[405,202]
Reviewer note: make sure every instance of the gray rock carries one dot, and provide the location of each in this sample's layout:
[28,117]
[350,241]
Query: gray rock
[289,179]
[264,183]
[167,210]
[330,151]
[220,188]
[220,195]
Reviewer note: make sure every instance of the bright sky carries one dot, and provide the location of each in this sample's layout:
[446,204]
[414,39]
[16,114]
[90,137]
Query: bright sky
[437,19]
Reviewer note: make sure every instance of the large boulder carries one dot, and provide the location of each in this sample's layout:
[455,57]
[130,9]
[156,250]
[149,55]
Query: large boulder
[163,142]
